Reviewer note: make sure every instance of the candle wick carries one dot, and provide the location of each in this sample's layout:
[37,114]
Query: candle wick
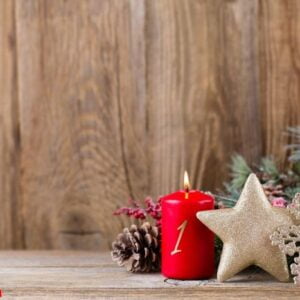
[186,194]
[186,185]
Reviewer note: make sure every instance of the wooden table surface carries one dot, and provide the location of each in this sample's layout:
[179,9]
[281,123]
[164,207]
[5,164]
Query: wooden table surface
[90,275]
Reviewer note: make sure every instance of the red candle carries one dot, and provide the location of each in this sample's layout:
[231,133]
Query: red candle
[187,244]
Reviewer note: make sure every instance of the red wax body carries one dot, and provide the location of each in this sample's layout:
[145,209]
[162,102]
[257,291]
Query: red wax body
[187,244]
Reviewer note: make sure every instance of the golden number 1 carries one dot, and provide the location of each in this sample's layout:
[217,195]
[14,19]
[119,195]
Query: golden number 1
[181,228]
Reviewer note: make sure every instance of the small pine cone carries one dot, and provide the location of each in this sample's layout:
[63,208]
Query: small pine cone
[138,248]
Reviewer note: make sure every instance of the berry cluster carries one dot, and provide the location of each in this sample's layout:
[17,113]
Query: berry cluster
[152,209]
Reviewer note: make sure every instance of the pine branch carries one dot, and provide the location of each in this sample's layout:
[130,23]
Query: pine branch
[240,171]
[269,167]
[291,192]
[294,132]
[277,185]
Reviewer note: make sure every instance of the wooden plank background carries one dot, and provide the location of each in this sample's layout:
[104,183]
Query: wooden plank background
[106,100]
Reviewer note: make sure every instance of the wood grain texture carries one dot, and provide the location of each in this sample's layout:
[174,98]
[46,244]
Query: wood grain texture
[195,51]
[11,225]
[76,56]
[279,63]
[84,275]
[106,100]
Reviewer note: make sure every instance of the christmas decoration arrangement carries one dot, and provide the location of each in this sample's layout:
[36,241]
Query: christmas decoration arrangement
[280,186]
[245,230]
[138,248]
[255,219]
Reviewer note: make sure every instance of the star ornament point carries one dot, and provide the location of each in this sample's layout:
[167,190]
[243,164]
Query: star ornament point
[245,231]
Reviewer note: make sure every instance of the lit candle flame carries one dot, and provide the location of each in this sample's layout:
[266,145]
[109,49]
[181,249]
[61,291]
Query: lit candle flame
[186,184]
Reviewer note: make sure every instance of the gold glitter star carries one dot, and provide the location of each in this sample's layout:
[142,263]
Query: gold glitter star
[245,231]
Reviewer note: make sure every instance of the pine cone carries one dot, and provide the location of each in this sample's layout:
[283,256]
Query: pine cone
[138,248]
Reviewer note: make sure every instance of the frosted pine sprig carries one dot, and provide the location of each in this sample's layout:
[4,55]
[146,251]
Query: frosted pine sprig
[294,207]
[287,238]
[295,270]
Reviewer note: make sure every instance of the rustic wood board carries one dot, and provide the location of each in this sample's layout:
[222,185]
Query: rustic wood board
[91,275]
[72,155]
[11,221]
[279,71]
[106,100]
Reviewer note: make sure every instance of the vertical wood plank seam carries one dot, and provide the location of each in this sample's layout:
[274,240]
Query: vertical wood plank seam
[147,34]
[18,138]
[147,108]
[123,154]
[255,82]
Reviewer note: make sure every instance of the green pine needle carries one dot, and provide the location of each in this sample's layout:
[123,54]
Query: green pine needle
[294,132]
[296,167]
[295,156]
[240,171]
[291,192]
[269,173]
[268,166]
[218,250]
